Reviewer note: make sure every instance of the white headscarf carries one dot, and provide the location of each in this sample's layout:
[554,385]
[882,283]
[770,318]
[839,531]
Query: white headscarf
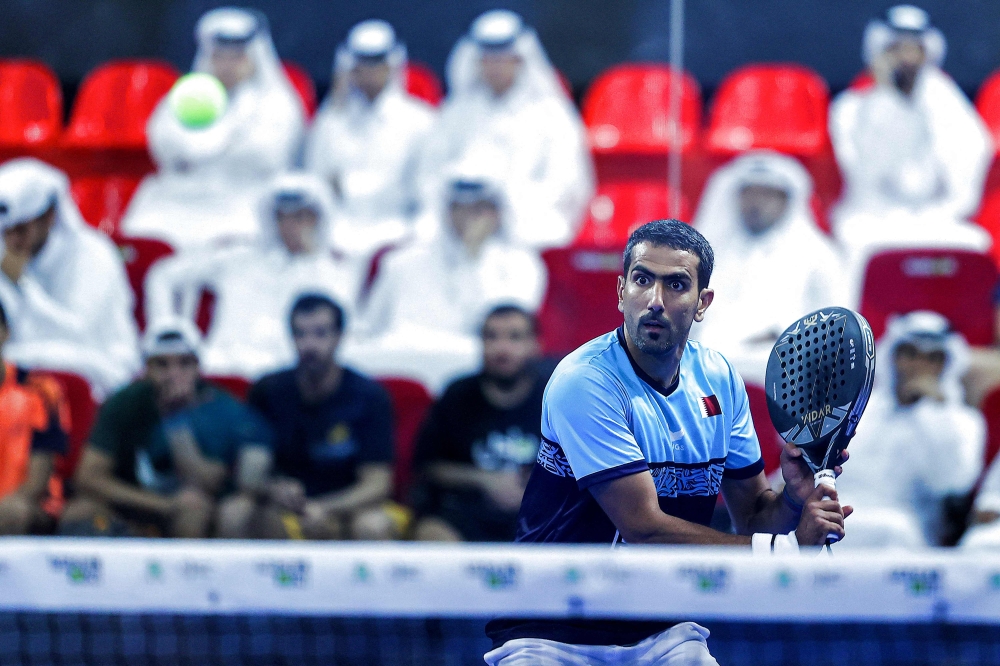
[927,330]
[903,21]
[308,191]
[373,38]
[29,187]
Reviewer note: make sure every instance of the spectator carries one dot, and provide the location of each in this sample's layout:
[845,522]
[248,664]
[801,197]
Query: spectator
[256,285]
[479,443]
[366,140]
[165,448]
[911,148]
[504,95]
[428,300]
[756,214]
[333,446]
[984,528]
[208,179]
[33,425]
[918,442]
[63,283]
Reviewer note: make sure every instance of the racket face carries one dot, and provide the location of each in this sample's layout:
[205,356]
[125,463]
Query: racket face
[819,377]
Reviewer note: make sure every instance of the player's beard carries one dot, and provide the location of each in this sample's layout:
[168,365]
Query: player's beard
[656,342]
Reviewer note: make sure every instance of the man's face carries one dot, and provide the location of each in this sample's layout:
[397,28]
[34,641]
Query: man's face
[500,70]
[660,298]
[509,346]
[174,378]
[316,339]
[297,230]
[30,237]
[474,222]
[906,56]
[915,367]
[370,78]
[761,207]
[232,65]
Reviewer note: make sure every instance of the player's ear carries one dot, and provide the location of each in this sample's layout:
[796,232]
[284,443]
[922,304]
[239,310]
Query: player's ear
[621,293]
[705,299]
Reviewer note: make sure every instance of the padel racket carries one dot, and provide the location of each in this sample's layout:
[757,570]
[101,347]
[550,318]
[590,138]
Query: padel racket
[818,381]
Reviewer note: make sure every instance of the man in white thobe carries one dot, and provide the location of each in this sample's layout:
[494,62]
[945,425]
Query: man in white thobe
[755,212]
[366,140]
[918,442]
[209,179]
[62,282]
[505,96]
[256,285]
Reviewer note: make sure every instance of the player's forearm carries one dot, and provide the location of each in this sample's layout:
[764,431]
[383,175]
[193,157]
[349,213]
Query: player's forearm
[674,531]
[773,514]
[121,494]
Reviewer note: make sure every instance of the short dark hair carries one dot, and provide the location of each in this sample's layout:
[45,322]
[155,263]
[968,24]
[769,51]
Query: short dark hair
[510,309]
[3,317]
[677,235]
[307,303]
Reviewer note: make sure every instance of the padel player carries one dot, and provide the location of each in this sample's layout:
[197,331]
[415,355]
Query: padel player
[641,431]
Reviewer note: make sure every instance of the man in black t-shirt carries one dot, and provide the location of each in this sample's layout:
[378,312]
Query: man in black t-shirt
[481,438]
[332,438]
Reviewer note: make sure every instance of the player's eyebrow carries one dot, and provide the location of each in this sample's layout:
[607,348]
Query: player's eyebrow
[678,274]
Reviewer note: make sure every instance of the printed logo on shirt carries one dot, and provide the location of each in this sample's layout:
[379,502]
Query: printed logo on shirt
[710,406]
[505,450]
[338,445]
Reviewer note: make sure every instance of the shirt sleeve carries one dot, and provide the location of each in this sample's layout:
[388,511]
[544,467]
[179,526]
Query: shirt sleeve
[375,430]
[744,459]
[585,414]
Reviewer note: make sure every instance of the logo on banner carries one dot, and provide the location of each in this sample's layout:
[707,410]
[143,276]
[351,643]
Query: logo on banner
[706,579]
[78,570]
[994,579]
[784,578]
[154,571]
[194,570]
[917,582]
[826,578]
[286,574]
[495,576]
[573,575]
[4,568]
[362,572]
[404,572]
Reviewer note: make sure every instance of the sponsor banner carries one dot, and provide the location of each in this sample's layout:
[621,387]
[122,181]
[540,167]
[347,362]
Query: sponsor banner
[408,579]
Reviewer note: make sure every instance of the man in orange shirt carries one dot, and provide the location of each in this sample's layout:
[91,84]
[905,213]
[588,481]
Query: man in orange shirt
[33,426]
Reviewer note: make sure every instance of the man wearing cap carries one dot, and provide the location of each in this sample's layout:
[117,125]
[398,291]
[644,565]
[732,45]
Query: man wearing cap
[919,444]
[366,140]
[505,96]
[429,299]
[63,283]
[256,285]
[755,212]
[208,179]
[912,150]
[165,448]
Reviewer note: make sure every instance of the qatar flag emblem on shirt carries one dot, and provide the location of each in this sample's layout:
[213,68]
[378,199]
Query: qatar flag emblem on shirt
[710,406]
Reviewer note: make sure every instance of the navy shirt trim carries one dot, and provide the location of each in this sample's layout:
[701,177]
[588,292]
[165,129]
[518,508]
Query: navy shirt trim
[612,473]
[747,472]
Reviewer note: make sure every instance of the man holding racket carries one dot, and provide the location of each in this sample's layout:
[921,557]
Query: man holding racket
[641,431]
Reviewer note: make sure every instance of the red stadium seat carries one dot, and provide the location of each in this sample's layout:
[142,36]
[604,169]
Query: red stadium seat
[103,199]
[82,410]
[991,411]
[988,218]
[31,112]
[955,283]
[237,386]
[581,301]
[625,110]
[988,106]
[770,441]
[410,402]
[619,207]
[139,254]
[781,107]
[422,82]
[303,85]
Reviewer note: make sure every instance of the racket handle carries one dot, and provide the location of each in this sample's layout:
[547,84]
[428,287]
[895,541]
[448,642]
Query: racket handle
[826,477]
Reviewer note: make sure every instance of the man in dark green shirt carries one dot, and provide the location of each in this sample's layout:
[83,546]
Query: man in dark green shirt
[167,447]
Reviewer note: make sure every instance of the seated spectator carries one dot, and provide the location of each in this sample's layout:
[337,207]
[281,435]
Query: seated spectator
[984,522]
[918,442]
[755,212]
[209,178]
[366,140]
[63,283]
[256,285]
[428,300]
[333,441]
[33,425]
[166,448]
[504,95]
[912,149]
[479,443]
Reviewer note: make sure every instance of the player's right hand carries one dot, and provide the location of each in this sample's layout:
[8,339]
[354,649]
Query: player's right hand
[822,516]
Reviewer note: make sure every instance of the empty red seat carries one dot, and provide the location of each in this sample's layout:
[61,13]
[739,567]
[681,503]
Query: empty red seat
[422,82]
[988,105]
[31,110]
[782,107]
[626,110]
[410,402]
[619,207]
[955,283]
[991,411]
[82,410]
[115,102]
[139,254]
[103,199]
[237,386]
[988,218]
[581,301]
[303,85]
[770,441]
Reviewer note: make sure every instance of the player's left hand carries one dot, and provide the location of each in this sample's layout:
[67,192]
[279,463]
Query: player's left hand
[797,475]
